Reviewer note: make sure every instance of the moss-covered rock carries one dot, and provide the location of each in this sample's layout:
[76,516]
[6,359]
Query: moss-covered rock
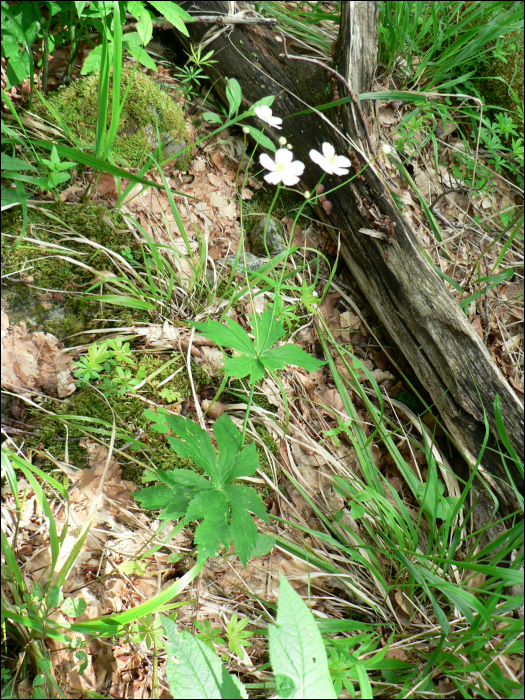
[146,107]
[496,92]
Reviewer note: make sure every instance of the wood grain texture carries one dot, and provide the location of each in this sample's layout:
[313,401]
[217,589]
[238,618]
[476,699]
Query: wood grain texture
[410,300]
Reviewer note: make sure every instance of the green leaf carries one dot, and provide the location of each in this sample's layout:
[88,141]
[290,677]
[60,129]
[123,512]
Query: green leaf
[234,95]
[229,442]
[263,546]
[159,419]
[16,164]
[262,140]
[174,14]
[232,337]
[127,302]
[290,354]
[297,651]
[194,671]
[240,367]
[133,43]
[144,25]
[245,464]
[214,502]
[197,445]
[212,118]
[212,506]
[243,529]
[267,331]
[73,606]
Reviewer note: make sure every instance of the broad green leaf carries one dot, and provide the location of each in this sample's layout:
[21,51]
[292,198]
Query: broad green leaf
[212,118]
[245,464]
[262,140]
[133,43]
[10,163]
[240,367]
[263,546]
[267,331]
[264,102]
[197,445]
[234,95]
[213,507]
[229,441]
[290,354]
[174,14]
[244,531]
[232,337]
[194,671]
[297,652]
[159,419]
[144,25]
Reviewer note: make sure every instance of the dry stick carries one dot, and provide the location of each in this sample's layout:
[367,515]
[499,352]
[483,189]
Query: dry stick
[221,20]
[345,83]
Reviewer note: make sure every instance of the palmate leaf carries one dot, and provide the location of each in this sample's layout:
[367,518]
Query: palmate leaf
[234,336]
[222,507]
[256,357]
[290,354]
[243,366]
[267,331]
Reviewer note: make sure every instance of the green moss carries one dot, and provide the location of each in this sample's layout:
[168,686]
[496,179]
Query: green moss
[145,108]
[495,92]
[50,269]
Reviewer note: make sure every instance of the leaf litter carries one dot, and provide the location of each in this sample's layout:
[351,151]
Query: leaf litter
[309,455]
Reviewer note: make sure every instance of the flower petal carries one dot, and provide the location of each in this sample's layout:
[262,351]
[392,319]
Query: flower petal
[328,150]
[263,112]
[283,157]
[295,168]
[267,162]
[317,157]
[275,122]
[339,171]
[342,162]
[289,180]
[273,178]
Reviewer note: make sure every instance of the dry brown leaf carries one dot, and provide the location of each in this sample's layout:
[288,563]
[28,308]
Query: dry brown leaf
[34,362]
[387,116]
[213,358]
[476,325]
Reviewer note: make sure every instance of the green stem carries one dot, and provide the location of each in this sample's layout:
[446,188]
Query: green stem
[250,400]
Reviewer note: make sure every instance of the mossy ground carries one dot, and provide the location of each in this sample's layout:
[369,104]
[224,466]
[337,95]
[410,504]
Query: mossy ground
[50,270]
[146,107]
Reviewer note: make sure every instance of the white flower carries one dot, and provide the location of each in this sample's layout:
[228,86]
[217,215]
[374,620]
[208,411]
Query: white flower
[329,162]
[386,149]
[284,169]
[282,141]
[265,113]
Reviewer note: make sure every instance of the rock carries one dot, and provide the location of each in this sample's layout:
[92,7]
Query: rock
[248,262]
[146,107]
[274,238]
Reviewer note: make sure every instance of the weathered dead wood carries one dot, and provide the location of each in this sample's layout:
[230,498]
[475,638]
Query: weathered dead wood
[408,297]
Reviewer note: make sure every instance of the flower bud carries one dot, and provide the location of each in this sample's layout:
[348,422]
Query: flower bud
[282,141]
[289,146]
[386,149]
[307,195]
[245,130]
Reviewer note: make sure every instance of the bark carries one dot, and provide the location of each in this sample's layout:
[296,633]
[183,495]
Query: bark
[410,300]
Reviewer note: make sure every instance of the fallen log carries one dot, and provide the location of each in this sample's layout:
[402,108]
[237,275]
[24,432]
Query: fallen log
[409,298]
